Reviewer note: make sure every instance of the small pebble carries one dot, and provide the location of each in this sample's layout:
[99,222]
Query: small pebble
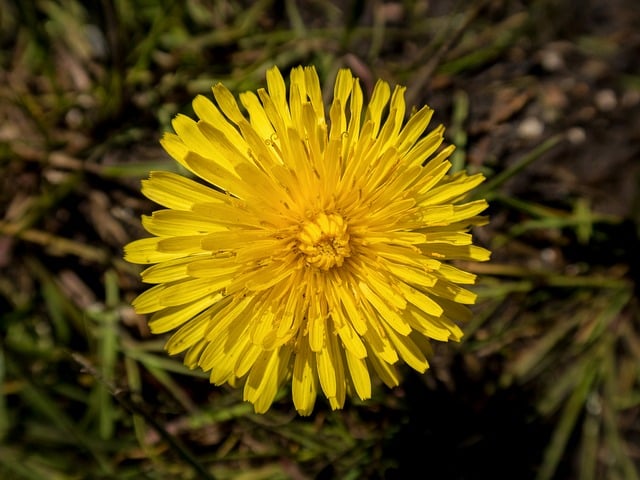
[606,100]
[551,60]
[548,256]
[576,135]
[74,118]
[630,98]
[530,128]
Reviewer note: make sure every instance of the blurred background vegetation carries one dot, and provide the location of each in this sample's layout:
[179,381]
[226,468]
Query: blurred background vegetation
[541,96]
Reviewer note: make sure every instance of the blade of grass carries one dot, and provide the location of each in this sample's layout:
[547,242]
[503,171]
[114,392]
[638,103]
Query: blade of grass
[108,353]
[572,409]
[555,396]
[56,307]
[538,278]
[295,18]
[457,131]
[41,402]
[134,383]
[486,310]
[178,393]
[161,362]
[613,304]
[581,219]
[67,23]
[530,208]
[486,190]
[125,401]
[425,71]
[588,459]
[503,37]
[221,413]
[14,465]
[56,245]
[531,359]
[5,423]
[612,434]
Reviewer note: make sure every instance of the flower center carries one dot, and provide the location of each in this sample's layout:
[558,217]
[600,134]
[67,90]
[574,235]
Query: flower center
[325,241]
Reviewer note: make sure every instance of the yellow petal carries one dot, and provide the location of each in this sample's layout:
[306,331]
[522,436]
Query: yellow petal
[408,351]
[422,150]
[427,325]
[456,275]
[355,316]
[173,317]
[216,175]
[175,191]
[209,114]
[359,375]
[413,129]
[453,292]
[247,359]
[184,245]
[379,99]
[231,240]
[455,252]
[149,300]
[451,190]
[168,271]
[258,117]
[378,344]
[454,238]
[317,326]
[327,366]
[175,147]
[186,291]
[391,317]
[191,136]
[278,93]
[387,372]
[262,383]
[421,300]
[188,335]
[304,381]
[177,223]
[147,250]
[412,275]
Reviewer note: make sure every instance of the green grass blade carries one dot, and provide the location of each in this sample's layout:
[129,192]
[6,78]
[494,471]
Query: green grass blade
[568,417]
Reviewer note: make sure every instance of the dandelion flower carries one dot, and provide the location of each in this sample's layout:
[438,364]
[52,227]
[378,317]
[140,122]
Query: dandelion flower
[314,249]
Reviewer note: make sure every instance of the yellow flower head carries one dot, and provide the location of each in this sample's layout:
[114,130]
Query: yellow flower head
[316,252]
